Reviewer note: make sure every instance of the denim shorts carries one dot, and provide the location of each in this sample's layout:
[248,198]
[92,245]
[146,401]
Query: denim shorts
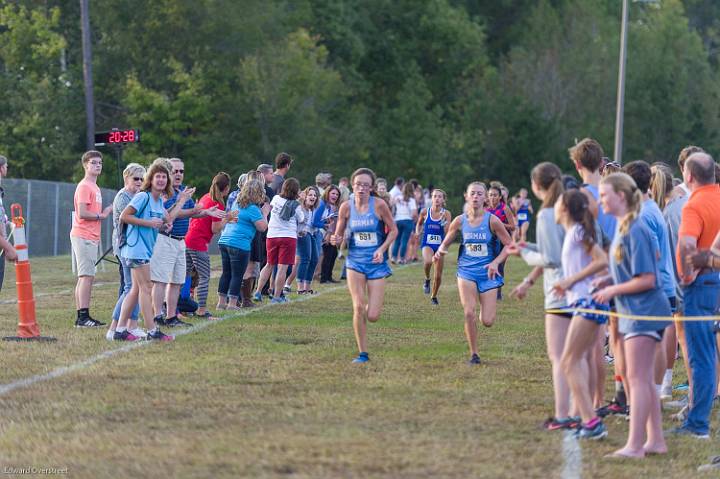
[134,263]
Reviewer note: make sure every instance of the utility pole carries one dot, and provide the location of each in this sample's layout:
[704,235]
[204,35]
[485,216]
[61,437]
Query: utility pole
[620,109]
[87,74]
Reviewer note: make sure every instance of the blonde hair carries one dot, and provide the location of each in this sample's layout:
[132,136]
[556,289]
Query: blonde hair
[623,183]
[252,193]
[470,214]
[661,183]
[132,169]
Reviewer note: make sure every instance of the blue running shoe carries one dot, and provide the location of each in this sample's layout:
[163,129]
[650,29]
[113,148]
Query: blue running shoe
[362,358]
[682,387]
[475,359]
[426,287]
[277,300]
[434,302]
[257,297]
[595,432]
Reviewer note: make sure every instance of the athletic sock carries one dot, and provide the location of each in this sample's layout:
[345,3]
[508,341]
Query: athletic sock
[667,379]
[83,313]
[120,330]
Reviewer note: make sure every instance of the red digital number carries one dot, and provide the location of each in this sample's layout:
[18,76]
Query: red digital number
[111,138]
[124,136]
[131,135]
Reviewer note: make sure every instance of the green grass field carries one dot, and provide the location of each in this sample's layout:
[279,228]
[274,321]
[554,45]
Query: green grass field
[273,394]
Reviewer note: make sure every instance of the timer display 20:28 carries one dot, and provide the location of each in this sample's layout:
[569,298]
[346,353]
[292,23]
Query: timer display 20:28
[121,136]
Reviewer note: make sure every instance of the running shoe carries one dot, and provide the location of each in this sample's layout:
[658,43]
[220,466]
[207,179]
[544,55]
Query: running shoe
[124,336]
[713,465]
[257,297]
[434,302]
[609,359]
[287,289]
[159,319]
[554,424]
[277,300]
[593,433]
[685,431]
[681,415]
[88,323]
[174,322]
[362,358]
[682,387]
[613,408]
[474,359]
[139,332]
[426,286]
[109,335]
[158,335]
[679,404]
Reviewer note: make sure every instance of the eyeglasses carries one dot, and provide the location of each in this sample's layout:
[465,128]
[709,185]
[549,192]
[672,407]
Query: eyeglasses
[96,163]
[362,185]
[137,178]
[175,172]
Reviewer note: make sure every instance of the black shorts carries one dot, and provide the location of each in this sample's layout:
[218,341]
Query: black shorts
[257,248]
[567,315]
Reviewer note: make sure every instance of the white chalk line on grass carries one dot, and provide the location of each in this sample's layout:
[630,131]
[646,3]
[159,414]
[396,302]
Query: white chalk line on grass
[572,456]
[61,371]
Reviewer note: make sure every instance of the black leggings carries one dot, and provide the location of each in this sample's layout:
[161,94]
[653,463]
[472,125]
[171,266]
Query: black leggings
[234,264]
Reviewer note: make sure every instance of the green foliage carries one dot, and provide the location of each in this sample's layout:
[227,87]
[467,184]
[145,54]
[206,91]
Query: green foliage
[445,91]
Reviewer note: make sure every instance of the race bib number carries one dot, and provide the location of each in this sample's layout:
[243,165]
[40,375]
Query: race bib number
[433,239]
[522,216]
[365,239]
[476,250]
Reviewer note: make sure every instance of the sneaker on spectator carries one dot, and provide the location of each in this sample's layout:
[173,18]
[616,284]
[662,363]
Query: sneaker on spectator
[160,319]
[158,335]
[682,387]
[594,433]
[685,431]
[257,297]
[612,408]
[139,332]
[679,404]
[713,465]
[109,335]
[174,322]
[88,322]
[124,336]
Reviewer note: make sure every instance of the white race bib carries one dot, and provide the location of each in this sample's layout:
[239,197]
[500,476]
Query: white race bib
[365,239]
[522,216]
[433,239]
[476,250]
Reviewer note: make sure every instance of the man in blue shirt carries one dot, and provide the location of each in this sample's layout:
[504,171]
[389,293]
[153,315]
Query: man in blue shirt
[168,265]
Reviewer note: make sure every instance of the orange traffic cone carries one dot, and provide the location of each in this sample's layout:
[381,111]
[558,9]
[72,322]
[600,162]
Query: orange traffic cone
[27,325]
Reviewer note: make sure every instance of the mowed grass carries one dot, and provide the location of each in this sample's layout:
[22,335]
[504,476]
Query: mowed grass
[273,393]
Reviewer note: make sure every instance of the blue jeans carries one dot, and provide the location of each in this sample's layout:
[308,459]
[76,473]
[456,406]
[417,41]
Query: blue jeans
[701,299]
[405,228]
[234,264]
[126,282]
[308,254]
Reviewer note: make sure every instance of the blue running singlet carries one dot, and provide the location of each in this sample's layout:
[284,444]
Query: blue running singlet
[479,248]
[523,214]
[433,231]
[607,222]
[367,234]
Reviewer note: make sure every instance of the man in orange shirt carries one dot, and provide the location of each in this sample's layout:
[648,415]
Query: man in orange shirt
[699,226]
[85,235]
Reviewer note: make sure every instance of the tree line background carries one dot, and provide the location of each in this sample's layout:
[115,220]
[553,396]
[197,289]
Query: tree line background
[440,90]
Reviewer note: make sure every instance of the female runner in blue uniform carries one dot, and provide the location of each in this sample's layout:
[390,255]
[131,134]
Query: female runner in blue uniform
[478,263]
[524,214]
[432,226]
[366,264]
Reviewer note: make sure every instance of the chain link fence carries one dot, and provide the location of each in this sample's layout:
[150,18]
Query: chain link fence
[47,207]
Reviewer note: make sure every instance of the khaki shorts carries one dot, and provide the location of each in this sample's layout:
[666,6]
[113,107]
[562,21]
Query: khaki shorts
[168,261]
[85,253]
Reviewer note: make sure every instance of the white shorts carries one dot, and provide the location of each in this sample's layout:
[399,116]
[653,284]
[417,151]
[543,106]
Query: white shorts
[85,254]
[168,261]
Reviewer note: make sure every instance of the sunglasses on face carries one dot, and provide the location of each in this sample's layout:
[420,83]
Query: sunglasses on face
[137,179]
[175,172]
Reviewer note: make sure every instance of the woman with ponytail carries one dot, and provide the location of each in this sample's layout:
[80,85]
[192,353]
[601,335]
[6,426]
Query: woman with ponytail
[546,257]
[484,247]
[582,259]
[199,236]
[635,286]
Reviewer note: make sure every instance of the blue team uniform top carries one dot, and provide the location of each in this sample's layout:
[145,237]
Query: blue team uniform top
[479,248]
[608,223]
[433,230]
[367,234]
[523,213]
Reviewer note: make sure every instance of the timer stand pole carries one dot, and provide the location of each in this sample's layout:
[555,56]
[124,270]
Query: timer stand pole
[118,160]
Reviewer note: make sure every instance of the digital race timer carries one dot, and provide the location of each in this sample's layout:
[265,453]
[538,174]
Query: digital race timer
[117,137]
